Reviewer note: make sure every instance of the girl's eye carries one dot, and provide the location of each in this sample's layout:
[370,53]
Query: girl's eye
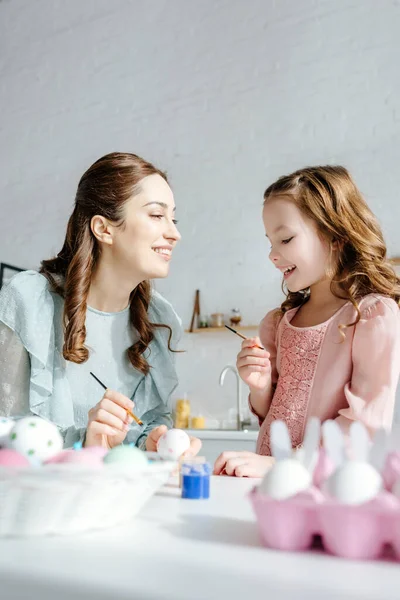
[175,222]
[287,240]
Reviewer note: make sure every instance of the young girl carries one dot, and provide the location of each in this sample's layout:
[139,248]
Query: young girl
[332,350]
[91,309]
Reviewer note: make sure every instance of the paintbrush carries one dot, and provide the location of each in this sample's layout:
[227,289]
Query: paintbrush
[241,336]
[134,417]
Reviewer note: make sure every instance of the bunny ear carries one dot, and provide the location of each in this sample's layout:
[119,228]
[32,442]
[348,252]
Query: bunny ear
[379,449]
[360,441]
[333,441]
[311,442]
[281,444]
[394,438]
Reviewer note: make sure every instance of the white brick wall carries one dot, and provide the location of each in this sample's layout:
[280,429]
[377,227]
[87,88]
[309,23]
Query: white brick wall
[226,95]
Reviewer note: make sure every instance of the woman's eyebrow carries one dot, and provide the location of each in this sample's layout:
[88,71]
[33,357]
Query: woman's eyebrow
[162,204]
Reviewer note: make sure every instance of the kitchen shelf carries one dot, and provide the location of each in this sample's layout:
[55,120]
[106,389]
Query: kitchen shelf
[214,329]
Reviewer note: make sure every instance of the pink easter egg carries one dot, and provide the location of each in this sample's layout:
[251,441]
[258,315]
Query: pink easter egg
[85,456]
[12,458]
[97,451]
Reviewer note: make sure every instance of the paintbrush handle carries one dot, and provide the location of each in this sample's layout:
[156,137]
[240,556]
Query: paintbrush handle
[134,417]
[241,336]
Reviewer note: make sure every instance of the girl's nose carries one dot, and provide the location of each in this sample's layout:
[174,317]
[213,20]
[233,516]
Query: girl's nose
[273,255]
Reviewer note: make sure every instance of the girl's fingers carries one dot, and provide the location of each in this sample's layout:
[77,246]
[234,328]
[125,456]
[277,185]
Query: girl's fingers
[253,368]
[233,463]
[252,343]
[220,463]
[254,353]
[252,360]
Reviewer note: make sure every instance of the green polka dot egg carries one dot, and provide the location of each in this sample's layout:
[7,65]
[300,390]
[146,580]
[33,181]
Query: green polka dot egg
[35,438]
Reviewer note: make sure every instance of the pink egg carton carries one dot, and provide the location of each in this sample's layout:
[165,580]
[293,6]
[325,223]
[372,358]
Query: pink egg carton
[357,532]
[354,531]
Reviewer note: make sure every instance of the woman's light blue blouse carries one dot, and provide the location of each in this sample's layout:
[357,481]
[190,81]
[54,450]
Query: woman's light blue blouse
[64,392]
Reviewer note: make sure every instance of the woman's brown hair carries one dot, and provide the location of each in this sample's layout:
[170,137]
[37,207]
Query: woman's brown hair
[329,197]
[103,190]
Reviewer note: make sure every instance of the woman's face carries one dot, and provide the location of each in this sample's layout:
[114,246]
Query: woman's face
[143,245]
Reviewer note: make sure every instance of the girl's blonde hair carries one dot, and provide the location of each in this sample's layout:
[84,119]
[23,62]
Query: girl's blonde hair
[329,197]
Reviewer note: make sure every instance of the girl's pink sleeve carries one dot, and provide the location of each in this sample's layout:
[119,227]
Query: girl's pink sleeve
[267,335]
[371,392]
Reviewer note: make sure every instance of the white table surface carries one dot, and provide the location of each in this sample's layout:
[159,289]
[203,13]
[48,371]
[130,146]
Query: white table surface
[185,549]
[224,434]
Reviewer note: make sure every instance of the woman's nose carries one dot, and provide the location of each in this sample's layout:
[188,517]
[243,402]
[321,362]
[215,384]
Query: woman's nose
[172,233]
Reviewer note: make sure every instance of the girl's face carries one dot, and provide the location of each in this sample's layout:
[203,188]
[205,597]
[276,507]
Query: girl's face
[297,249]
[143,245]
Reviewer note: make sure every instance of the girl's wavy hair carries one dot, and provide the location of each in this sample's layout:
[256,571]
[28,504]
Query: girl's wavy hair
[103,190]
[329,197]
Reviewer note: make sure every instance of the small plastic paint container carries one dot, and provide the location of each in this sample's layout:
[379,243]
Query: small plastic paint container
[195,477]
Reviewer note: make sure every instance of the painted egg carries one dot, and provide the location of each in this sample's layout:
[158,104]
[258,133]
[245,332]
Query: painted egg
[354,482]
[285,479]
[35,438]
[172,444]
[6,425]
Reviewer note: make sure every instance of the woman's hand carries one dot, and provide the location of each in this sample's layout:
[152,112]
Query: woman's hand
[254,366]
[109,421]
[243,464]
[157,432]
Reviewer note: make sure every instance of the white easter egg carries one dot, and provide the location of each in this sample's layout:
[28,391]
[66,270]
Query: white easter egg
[173,444]
[354,482]
[6,425]
[35,438]
[286,478]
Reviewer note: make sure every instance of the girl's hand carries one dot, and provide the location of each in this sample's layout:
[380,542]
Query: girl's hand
[254,366]
[157,432]
[243,464]
[109,421]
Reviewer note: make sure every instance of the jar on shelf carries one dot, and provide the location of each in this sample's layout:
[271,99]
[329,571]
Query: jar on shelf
[235,317]
[217,320]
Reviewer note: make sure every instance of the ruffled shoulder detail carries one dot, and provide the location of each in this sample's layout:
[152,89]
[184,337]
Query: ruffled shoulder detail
[375,305]
[27,307]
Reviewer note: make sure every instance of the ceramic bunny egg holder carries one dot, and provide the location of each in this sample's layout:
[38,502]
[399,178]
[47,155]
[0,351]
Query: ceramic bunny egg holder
[347,492]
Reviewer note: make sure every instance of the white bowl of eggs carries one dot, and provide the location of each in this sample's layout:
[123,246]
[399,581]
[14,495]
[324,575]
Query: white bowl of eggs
[45,490]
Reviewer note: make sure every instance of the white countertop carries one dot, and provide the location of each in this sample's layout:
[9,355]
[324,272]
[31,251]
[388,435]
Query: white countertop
[223,434]
[182,550]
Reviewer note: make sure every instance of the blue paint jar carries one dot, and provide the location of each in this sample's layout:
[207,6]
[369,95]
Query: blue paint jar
[195,475]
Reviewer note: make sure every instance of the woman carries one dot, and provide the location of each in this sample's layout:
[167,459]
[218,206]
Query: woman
[91,309]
